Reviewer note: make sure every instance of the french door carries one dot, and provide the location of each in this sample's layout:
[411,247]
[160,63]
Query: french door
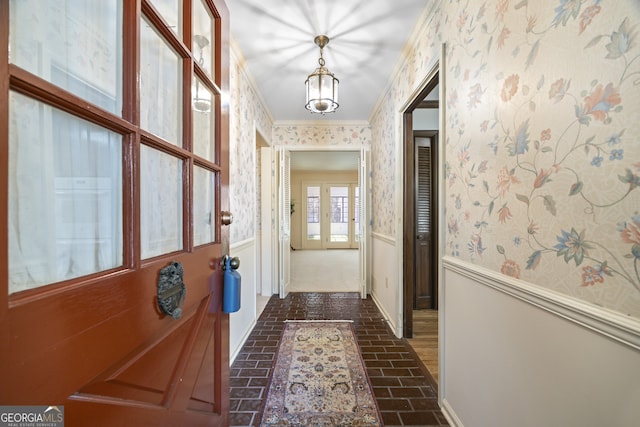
[114,143]
[331,216]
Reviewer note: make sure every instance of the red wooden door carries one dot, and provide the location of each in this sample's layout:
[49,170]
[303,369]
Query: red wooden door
[114,152]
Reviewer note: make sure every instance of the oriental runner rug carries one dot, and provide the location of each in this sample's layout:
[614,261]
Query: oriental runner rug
[319,378]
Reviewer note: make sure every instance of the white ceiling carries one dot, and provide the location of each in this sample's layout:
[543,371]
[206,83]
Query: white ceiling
[367,38]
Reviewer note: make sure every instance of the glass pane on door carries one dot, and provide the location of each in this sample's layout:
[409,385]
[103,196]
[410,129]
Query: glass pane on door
[65,196]
[203,106]
[160,86]
[313,213]
[171,12]
[160,202]
[339,214]
[76,45]
[203,37]
[204,204]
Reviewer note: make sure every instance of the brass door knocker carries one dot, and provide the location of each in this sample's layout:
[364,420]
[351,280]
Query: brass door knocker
[171,290]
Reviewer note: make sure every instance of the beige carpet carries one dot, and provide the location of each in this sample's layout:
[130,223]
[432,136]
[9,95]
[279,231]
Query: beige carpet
[331,270]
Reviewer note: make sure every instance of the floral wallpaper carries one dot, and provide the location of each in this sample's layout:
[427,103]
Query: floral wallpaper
[542,150]
[246,112]
[383,164]
[423,54]
[322,134]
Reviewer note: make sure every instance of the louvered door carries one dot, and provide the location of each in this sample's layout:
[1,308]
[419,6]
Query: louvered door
[284,190]
[423,210]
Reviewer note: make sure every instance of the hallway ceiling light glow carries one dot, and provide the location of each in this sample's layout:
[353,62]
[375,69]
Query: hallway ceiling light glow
[321,85]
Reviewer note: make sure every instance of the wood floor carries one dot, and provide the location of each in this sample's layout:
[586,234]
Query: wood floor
[425,339]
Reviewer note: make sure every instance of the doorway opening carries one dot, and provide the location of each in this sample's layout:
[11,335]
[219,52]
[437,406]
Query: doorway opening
[421,129]
[262,282]
[420,218]
[327,194]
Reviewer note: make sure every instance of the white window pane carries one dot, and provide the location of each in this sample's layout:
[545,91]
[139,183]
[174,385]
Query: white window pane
[203,37]
[313,213]
[160,86]
[171,12]
[204,204]
[65,196]
[160,203]
[74,44]
[203,107]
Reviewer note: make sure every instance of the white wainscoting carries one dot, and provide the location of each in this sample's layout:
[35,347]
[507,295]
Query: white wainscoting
[515,354]
[242,322]
[384,273]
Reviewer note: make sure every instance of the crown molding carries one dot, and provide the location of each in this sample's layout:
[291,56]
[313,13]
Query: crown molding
[321,123]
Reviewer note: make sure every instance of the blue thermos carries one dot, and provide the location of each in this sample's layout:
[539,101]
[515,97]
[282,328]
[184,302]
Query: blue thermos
[231,288]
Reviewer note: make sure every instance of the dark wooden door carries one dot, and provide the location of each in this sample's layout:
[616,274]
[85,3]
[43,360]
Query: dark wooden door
[424,283]
[114,147]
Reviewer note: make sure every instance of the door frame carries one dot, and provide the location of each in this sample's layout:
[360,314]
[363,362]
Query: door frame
[268,235]
[364,247]
[408,200]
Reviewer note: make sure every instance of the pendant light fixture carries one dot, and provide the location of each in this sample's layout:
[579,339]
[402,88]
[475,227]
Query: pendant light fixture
[201,102]
[321,85]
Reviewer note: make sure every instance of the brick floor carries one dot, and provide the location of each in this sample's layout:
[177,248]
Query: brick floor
[405,392]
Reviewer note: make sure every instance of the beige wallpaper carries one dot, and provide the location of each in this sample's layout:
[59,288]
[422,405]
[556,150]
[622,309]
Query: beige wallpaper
[322,134]
[248,114]
[542,141]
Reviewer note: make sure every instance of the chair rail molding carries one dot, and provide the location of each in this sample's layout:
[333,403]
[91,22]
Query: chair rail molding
[623,329]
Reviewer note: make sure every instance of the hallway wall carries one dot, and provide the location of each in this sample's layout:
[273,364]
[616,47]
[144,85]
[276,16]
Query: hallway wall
[248,114]
[540,194]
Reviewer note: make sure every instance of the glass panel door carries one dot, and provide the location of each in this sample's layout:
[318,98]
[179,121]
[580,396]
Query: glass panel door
[105,195]
[339,214]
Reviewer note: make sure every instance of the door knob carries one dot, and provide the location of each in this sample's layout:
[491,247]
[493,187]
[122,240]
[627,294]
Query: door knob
[226,218]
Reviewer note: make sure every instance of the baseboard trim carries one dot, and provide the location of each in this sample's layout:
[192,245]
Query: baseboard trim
[450,414]
[623,329]
[385,315]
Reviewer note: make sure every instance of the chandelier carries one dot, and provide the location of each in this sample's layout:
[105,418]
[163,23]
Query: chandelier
[321,85]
